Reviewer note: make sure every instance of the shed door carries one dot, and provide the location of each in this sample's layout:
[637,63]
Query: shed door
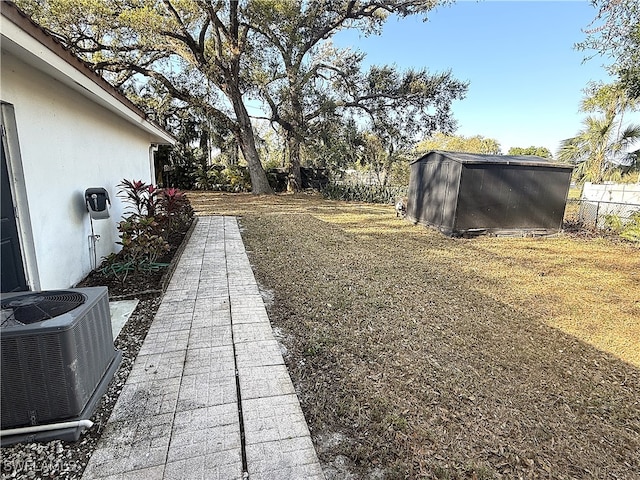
[13,277]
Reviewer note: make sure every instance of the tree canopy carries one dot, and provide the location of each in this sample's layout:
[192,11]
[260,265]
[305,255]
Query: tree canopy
[214,57]
[459,143]
[615,33]
[194,52]
[537,151]
[306,82]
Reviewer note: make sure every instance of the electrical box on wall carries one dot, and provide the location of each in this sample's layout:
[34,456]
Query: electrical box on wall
[98,202]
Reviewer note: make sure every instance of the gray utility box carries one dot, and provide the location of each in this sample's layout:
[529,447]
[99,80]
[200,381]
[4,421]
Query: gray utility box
[97,202]
[57,358]
[472,194]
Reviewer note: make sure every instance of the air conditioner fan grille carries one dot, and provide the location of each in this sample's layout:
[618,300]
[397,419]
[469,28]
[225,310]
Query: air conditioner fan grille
[39,306]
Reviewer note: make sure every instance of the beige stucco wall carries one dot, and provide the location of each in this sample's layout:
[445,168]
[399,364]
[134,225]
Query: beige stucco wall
[68,143]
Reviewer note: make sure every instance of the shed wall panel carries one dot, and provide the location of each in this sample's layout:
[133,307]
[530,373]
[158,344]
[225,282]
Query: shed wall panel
[511,197]
[433,189]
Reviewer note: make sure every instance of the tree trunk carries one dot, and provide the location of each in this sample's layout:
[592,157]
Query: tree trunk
[294,133]
[295,176]
[246,140]
[234,153]
[231,87]
[385,178]
[387,166]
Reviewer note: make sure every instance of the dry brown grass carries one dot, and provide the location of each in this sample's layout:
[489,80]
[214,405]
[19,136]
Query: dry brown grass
[422,356]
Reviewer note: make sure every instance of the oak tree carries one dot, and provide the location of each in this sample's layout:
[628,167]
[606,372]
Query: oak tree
[193,50]
[305,81]
[615,33]
[217,56]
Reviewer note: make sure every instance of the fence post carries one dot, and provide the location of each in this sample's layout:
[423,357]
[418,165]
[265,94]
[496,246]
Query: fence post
[597,213]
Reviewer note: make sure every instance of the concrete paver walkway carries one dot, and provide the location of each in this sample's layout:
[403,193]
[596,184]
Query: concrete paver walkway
[209,396]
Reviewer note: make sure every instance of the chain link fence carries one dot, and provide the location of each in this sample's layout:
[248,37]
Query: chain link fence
[596,213]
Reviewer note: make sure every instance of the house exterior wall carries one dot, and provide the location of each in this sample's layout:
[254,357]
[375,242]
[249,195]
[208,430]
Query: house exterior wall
[68,143]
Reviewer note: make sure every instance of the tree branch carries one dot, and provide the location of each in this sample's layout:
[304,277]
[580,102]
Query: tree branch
[186,38]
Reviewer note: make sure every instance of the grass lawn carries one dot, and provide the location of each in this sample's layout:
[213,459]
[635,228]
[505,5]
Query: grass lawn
[416,355]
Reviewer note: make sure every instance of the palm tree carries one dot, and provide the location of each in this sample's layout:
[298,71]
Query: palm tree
[598,148]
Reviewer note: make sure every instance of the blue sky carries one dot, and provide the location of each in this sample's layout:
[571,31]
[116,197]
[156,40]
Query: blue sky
[526,78]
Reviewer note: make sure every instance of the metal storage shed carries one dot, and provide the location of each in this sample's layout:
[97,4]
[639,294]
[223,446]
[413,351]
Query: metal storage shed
[465,194]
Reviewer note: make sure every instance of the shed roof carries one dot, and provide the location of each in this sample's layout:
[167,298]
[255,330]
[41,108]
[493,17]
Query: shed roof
[478,158]
[27,40]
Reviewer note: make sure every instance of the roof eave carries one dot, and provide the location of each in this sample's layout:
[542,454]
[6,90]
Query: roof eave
[29,42]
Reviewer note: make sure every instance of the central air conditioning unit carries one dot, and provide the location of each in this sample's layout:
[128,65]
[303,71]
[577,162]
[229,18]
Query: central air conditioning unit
[57,361]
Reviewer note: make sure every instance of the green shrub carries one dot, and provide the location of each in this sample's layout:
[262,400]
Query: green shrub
[184,176]
[238,178]
[234,178]
[613,223]
[153,216]
[364,193]
[176,212]
[142,240]
[209,178]
[631,230]
[628,230]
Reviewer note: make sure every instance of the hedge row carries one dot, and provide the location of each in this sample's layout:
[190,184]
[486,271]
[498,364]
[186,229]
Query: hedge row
[364,193]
